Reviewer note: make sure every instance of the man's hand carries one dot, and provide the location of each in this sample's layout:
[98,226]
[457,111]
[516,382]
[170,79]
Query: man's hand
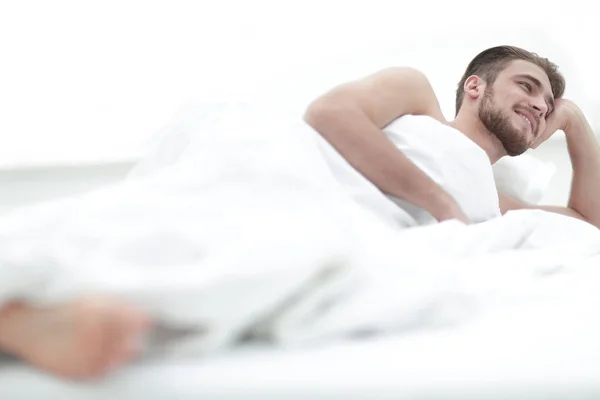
[565,111]
[446,208]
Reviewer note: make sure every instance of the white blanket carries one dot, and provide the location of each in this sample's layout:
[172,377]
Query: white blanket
[246,233]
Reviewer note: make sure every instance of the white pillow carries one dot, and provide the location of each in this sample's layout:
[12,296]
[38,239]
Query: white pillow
[524,177]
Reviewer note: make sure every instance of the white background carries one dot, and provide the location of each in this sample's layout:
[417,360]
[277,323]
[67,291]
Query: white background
[87,81]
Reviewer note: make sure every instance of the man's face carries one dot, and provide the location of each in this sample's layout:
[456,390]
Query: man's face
[515,107]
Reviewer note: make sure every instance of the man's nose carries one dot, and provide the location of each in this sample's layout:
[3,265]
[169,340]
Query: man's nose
[540,107]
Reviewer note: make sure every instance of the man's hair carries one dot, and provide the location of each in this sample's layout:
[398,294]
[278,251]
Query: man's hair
[490,62]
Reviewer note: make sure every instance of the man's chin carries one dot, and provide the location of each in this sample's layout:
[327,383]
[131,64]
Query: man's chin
[513,148]
[516,151]
[525,136]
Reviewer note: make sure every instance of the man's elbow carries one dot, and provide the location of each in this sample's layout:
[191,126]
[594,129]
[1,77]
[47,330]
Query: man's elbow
[314,113]
[592,221]
[323,112]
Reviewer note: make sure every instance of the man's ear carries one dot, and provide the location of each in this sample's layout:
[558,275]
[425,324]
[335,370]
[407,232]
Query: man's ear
[474,87]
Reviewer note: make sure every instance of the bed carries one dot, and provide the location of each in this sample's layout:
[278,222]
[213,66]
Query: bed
[543,347]
[553,354]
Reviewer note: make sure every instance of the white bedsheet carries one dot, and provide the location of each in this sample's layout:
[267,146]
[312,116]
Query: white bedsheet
[542,352]
[247,234]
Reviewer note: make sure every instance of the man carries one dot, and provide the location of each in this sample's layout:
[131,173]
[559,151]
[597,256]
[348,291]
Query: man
[508,100]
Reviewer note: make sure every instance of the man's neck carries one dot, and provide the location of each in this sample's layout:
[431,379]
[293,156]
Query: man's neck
[478,133]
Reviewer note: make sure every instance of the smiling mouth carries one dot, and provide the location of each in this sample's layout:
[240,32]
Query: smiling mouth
[527,120]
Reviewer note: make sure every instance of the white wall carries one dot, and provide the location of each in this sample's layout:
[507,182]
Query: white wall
[84,81]
[89,83]
[25,186]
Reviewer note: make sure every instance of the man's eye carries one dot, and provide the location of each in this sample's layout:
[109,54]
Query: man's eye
[527,85]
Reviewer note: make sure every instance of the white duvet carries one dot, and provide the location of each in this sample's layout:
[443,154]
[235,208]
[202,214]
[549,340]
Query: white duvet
[243,232]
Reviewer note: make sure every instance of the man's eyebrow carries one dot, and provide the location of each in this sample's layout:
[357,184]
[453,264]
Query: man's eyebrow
[536,82]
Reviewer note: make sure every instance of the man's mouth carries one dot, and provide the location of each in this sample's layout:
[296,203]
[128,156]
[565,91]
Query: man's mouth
[530,120]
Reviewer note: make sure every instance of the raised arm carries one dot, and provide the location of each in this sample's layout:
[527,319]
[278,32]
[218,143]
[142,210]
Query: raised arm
[584,150]
[351,117]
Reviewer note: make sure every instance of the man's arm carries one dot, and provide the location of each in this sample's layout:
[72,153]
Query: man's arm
[351,118]
[584,150]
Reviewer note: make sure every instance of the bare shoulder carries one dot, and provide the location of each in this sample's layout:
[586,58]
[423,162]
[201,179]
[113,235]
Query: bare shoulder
[413,86]
[386,95]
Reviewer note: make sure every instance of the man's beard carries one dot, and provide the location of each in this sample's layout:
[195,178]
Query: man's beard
[499,124]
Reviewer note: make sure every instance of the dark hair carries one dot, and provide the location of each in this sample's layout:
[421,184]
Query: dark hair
[489,63]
